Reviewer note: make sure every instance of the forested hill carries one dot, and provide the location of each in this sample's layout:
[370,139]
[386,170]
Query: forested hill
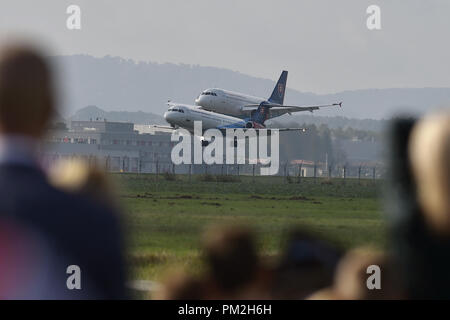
[116,84]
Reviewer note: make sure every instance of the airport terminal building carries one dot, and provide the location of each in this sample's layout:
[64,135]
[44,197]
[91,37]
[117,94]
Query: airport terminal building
[122,147]
[126,147]
[116,145]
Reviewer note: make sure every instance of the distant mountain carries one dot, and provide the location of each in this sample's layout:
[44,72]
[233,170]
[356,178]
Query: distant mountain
[138,117]
[114,83]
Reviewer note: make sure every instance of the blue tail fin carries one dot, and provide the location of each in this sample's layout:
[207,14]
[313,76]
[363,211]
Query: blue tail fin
[261,114]
[278,92]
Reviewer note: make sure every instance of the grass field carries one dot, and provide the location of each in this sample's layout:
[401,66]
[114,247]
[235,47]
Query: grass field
[167,217]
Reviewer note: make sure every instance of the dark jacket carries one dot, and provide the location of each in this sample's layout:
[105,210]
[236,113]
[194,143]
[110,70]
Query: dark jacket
[78,231]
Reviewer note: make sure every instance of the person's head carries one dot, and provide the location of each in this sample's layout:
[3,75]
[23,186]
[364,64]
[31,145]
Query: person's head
[26,91]
[429,153]
[231,257]
[306,265]
[352,276]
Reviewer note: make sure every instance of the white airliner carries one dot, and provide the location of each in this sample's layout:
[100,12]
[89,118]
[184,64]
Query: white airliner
[242,105]
[183,116]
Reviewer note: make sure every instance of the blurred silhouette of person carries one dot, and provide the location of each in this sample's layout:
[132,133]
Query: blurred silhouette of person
[419,205]
[307,265]
[350,281]
[235,270]
[78,230]
[27,265]
[182,286]
[429,151]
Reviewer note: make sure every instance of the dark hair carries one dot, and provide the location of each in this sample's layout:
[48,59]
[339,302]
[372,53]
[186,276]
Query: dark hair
[231,257]
[26,90]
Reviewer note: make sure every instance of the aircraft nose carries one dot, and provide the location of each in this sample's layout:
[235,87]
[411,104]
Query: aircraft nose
[167,116]
[201,101]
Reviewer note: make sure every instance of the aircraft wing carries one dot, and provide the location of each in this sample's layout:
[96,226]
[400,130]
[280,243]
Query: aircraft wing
[268,130]
[281,129]
[291,129]
[280,110]
[163,127]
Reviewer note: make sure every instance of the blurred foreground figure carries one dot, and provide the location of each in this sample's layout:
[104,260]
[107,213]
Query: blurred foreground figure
[420,205]
[182,286]
[76,229]
[27,264]
[429,150]
[350,281]
[76,176]
[235,270]
[308,264]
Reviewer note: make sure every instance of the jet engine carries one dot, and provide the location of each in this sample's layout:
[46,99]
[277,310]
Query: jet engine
[250,125]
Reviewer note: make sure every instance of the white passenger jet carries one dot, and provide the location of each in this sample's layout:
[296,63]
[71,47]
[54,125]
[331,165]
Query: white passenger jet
[184,116]
[242,106]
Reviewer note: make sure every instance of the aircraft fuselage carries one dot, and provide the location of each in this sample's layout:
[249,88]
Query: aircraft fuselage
[226,102]
[183,116]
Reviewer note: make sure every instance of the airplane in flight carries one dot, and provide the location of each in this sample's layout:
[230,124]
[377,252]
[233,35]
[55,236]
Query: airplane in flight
[184,116]
[242,106]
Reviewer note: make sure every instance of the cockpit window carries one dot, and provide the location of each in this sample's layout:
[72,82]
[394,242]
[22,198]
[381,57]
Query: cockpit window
[176,110]
[207,93]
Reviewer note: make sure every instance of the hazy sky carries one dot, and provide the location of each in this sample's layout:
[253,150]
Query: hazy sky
[324,44]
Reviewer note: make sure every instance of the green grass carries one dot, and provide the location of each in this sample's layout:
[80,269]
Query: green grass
[166,218]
